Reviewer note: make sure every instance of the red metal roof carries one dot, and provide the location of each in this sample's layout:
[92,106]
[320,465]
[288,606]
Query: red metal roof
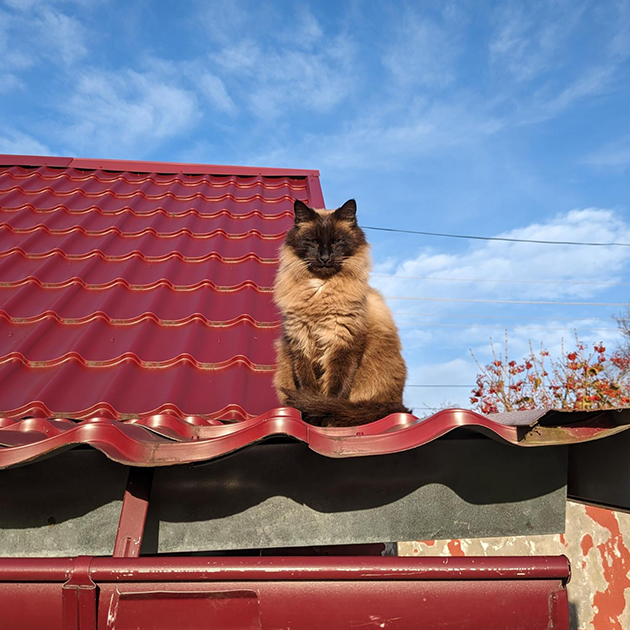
[130,288]
[136,313]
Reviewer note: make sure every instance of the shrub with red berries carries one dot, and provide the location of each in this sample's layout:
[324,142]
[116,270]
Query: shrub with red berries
[583,378]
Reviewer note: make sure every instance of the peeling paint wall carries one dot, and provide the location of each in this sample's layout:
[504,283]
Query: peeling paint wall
[597,541]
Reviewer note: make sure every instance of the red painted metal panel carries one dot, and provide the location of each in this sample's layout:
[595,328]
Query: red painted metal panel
[132,288]
[376,605]
[317,593]
[31,606]
[191,609]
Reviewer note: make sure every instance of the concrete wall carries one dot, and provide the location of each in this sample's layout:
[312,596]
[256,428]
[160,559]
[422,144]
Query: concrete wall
[597,541]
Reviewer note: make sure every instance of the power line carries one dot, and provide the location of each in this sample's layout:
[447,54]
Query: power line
[612,284]
[496,326]
[495,238]
[466,386]
[484,316]
[479,301]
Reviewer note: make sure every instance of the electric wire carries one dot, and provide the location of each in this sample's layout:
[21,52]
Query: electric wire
[494,238]
[485,316]
[484,301]
[502,327]
[611,284]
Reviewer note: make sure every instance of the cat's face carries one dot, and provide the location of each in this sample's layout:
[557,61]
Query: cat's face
[325,239]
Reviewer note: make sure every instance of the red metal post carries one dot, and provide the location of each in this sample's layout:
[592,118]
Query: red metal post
[133,514]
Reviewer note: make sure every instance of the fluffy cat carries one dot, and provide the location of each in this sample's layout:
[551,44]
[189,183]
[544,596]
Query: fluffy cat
[339,358]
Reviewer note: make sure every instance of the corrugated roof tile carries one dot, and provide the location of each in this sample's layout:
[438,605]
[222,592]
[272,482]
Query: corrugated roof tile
[133,290]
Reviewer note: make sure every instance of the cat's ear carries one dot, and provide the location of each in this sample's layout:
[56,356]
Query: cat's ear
[347,212]
[302,212]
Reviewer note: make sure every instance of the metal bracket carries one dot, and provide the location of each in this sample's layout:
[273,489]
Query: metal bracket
[133,514]
[79,597]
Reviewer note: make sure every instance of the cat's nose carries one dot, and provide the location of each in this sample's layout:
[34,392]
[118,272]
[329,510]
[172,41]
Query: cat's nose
[324,255]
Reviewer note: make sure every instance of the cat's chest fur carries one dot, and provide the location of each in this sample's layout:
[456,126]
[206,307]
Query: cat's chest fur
[321,315]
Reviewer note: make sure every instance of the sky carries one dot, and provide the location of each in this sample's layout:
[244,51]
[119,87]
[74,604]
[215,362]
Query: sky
[507,119]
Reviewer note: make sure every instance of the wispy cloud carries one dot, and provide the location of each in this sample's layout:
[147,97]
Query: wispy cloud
[214,90]
[519,268]
[529,41]
[112,113]
[273,64]
[540,47]
[422,50]
[614,155]
[18,143]
[39,31]
[276,79]
[61,36]
[505,261]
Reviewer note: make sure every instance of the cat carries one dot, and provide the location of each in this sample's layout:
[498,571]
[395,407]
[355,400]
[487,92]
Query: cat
[339,358]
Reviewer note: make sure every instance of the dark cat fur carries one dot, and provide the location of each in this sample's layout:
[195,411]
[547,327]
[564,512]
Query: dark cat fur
[339,358]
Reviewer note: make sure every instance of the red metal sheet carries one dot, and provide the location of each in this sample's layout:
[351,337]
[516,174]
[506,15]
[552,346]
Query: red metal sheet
[125,303]
[17,269]
[317,593]
[168,437]
[131,288]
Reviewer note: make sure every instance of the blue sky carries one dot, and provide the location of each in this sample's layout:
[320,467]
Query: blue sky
[486,118]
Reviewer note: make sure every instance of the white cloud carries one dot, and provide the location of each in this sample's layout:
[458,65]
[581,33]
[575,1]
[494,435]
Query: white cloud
[307,30]
[614,155]
[40,32]
[422,50]
[275,79]
[214,90]
[458,371]
[547,103]
[113,113]
[431,369]
[437,336]
[9,82]
[497,260]
[531,43]
[386,137]
[13,58]
[526,43]
[275,64]
[18,143]
[63,36]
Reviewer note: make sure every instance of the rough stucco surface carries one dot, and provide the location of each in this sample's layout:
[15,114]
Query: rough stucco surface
[597,541]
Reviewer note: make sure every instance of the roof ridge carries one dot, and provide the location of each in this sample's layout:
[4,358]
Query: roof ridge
[151,167]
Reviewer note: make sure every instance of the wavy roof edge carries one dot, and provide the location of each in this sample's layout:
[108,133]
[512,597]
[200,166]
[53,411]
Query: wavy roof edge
[141,166]
[166,440]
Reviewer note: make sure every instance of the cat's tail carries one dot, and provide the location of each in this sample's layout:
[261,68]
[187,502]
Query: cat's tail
[325,411]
